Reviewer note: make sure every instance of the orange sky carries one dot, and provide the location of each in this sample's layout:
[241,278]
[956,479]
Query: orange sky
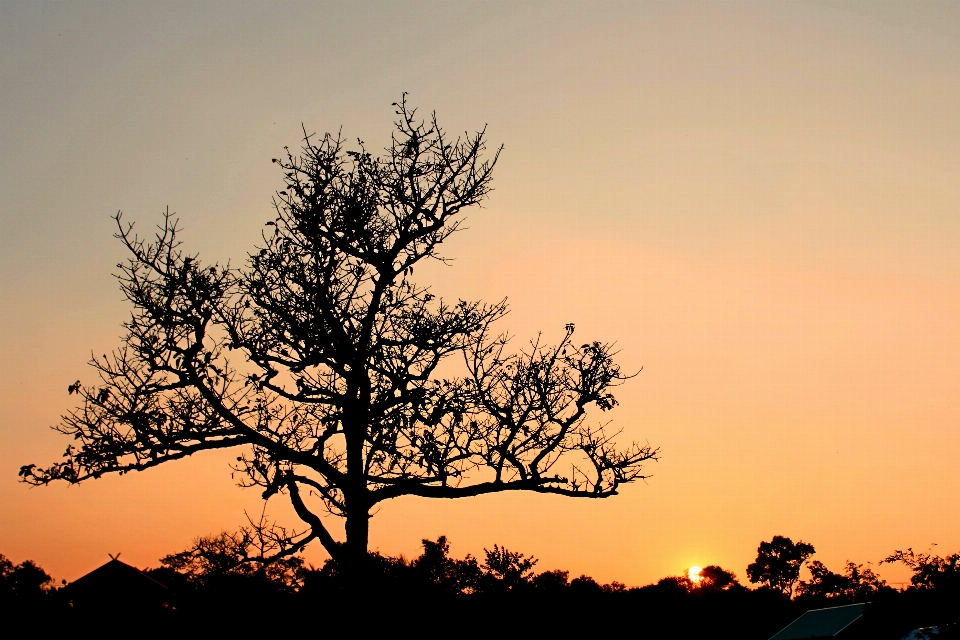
[757,201]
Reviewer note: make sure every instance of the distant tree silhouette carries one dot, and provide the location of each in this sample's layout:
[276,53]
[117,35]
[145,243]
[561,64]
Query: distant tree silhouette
[220,580]
[713,578]
[434,573]
[676,583]
[778,564]
[239,554]
[551,581]
[854,584]
[321,357]
[716,578]
[823,583]
[930,571]
[506,570]
[435,567]
[585,585]
[24,581]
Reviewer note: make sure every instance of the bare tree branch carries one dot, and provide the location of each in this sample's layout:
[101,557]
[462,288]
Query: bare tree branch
[319,357]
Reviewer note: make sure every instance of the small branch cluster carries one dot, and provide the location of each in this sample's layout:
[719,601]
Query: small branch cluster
[263,548]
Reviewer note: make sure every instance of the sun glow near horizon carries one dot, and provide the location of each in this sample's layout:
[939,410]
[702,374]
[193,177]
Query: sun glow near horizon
[694,573]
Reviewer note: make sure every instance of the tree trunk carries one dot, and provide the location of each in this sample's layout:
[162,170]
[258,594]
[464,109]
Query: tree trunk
[355,551]
[357,502]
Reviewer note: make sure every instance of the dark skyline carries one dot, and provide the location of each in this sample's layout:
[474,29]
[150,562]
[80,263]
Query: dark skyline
[757,201]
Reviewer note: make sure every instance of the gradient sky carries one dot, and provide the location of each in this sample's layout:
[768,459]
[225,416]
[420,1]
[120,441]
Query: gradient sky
[757,201]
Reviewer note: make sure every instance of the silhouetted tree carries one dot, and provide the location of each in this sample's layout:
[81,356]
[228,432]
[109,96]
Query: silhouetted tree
[676,583]
[823,583]
[778,563]
[505,570]
[716,578]
[930,571]
[855,583]
[24,581]
[585,585]
[320,357]
[436,567]
[239,554]
[551,581]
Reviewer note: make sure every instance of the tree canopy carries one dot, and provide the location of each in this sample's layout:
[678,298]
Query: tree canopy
[778,563]
[320,356]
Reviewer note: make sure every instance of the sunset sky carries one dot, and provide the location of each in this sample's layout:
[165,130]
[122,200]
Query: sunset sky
[758,202]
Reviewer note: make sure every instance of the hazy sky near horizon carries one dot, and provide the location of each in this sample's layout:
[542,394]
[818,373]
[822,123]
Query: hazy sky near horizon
[757,201]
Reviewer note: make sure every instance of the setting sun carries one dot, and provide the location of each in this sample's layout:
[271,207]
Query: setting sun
[694,573]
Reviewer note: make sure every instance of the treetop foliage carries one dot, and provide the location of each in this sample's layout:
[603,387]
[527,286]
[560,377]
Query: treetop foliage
[778,563]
